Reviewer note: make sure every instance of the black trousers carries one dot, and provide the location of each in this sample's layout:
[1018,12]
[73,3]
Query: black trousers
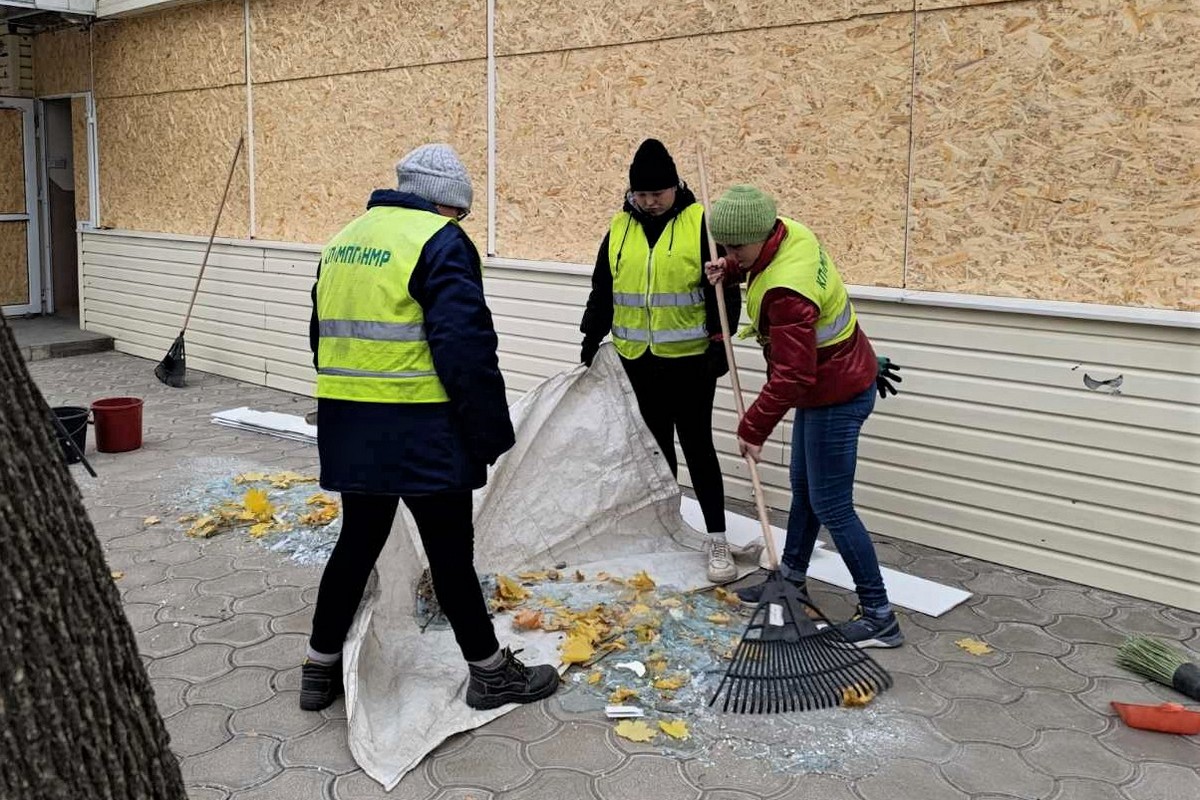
[444,522]
[675,395]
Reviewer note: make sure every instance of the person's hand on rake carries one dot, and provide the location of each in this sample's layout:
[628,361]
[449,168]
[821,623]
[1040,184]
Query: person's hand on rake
[885,376]
[750,451]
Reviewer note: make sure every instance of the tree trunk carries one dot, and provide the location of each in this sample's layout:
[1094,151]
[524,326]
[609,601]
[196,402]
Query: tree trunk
[77,712]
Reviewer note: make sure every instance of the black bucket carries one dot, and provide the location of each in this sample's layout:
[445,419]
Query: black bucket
[75,420]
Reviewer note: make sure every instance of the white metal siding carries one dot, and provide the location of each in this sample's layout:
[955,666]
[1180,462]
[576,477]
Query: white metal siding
[994,449]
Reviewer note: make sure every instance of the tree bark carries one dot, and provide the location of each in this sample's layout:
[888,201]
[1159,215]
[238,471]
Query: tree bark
[77,711]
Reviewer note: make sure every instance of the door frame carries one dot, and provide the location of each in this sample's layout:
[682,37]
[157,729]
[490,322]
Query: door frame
[32,215]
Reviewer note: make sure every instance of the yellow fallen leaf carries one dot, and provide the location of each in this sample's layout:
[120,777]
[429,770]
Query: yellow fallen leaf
[672,683]
[656,664]
[974,646]
[527,620]
[117,574]
[634,730]
[602,576]
[726,596]
[257,505]
[151,521]
[580,577]
[621,694]
[324,512]
[576,650]
[641,581]
[594,678]
[719,618]
[321,499]
[285,480]
[671,602]
[616,644]
[510,590]
[856,696]
[187,518]
[639,610]
[676,730]
[260,529]
[533,576]
[646,633]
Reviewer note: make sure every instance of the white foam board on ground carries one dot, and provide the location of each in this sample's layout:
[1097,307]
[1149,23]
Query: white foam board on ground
[909,591]
[270,423]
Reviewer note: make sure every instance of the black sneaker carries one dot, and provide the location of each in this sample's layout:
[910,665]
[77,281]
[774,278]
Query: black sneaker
[864,630]
[511,682]
[320,685]
[751,596]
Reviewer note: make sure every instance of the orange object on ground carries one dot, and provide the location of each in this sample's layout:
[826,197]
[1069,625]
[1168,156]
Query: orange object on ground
[1165,717]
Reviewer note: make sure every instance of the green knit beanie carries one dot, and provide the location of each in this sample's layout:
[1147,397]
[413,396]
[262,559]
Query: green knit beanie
[742,215]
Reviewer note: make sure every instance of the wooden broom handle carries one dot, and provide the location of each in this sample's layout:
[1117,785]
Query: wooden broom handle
[216,223]
[755,481]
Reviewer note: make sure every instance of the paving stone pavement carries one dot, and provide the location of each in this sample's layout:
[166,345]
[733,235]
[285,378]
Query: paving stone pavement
[221,624]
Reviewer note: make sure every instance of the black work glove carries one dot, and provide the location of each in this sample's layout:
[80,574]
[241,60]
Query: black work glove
[884,376]
[715,360]
[588,351]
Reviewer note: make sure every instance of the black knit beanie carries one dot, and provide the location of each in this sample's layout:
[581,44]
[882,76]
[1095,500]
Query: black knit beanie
[653,168]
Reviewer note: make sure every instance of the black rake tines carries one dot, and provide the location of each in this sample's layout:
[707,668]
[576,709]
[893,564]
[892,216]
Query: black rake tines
[786,663]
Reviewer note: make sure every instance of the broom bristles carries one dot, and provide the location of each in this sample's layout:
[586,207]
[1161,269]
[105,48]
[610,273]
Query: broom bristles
[1150,657]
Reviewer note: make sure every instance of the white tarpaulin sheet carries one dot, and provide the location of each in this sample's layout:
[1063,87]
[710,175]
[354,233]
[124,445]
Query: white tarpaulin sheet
[584,484]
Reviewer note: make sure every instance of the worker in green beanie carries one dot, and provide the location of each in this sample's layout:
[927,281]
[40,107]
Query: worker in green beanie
[820,363]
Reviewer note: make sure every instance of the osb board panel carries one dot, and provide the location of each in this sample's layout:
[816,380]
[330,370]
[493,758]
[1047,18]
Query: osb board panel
[164,160]
[14,264]
[12,161]
[311,38]
[79,156]
[1055,153]
[323,144]
[534,26]
[187,47]
[802,112]
[62,62]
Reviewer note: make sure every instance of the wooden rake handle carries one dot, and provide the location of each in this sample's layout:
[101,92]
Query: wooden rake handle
[216,223]
[739,404]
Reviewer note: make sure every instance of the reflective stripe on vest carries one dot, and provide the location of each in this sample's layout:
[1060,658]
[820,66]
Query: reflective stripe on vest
[658,295]
[372,345]
[803,266]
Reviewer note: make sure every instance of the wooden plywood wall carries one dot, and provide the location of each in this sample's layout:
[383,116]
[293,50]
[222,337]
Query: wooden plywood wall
[62,62]
[12,161]
[311,38]
[1055,153]
[324,144]
[796,111]
[14,263]
[164,159]
[79,157]
[188,47]
[536,26]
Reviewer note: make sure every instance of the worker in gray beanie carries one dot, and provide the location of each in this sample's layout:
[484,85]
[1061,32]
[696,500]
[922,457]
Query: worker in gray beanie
[412,408]
[649,293]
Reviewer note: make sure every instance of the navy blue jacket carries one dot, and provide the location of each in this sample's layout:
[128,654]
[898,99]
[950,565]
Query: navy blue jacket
[426,448]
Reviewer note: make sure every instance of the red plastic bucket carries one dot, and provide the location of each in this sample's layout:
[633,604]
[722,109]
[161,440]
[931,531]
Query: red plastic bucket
[118,424]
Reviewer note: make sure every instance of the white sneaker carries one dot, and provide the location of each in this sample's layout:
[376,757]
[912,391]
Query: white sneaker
[721,568]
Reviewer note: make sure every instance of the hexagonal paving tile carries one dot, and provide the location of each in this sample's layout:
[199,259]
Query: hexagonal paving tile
[172,591]
[326,748]
[492,761]
[279,716]
[583,746]
[297,783]
[240,763]
[941,648]
[965,680]
[912,695]
[528,723]
[198,729]
[241,584]
[169,695]
[1045,708]
[903,777]
[359,786]
[1094,661]
[1035,670]
[298,622]
[164,640]
[1165,782]
[1079,789]
[1071,754]
[1011,609]
[1139,746]
[984,722]
[206,793]
[721,768]
[203,567]
[553,784]
[811,787]
[281,651]
[991,583]
[1078,629]
[201,663]
[276,602]
[991,768]
[241,688]
[1070,601]
[238,631]
[647,776]
[202,610]
[141,615]
[1103,691]
[1019,637]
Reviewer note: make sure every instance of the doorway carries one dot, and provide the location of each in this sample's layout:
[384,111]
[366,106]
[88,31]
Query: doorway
[60,190]
[20,263]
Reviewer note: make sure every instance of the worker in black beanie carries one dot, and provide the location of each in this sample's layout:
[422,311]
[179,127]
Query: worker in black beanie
[649,292]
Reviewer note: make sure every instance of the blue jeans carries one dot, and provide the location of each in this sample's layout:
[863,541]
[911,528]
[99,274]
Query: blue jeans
[824,455]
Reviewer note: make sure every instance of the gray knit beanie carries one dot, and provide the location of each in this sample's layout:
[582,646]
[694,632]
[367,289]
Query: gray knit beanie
[742,215]
[435,173]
